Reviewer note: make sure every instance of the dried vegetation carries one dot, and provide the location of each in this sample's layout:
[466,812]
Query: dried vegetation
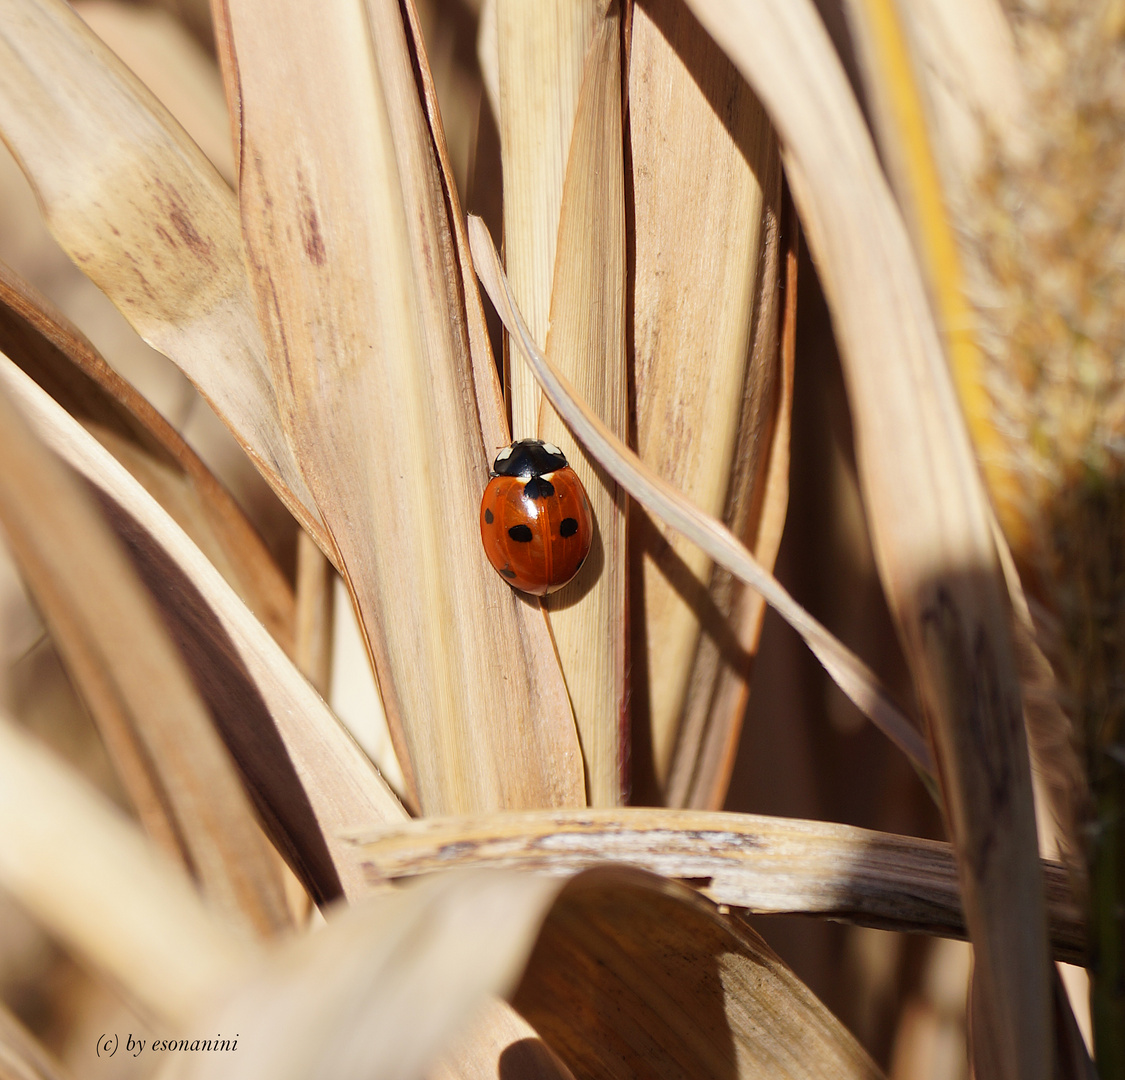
[316,785]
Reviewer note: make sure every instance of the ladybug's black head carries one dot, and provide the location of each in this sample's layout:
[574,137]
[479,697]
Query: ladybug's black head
[528,457]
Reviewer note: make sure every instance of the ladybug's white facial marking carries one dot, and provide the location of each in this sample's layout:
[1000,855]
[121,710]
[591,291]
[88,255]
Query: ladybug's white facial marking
[551,448]
[504,454]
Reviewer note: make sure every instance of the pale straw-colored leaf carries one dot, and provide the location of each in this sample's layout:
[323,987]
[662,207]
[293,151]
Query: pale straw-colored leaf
[357,283]
[62,361]
[161,52]
[633,975]
[662,500]
[354,691]
[712,722]
[22,1056]
[586,337]
[541,65]
[508,1043]
[560,119]
[142,212]
[134,681]
[492,413]
[90,877]
[309,778]
[384,987]
[926,509]
[964,57]
[766,865]
[706,375]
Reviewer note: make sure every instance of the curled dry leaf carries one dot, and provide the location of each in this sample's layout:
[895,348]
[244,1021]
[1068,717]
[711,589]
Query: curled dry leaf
[747,861]
[633,975]
[142,212]
[384,987]
[661,499]
[309,779]
[44,344]
[926,509]
[358,289]
[155,726]
[88,874]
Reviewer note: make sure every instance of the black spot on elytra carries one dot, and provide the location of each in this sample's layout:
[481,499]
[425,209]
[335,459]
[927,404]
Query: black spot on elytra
[520,533]
[508,572]
[538,487]
[488,518]
[568,527]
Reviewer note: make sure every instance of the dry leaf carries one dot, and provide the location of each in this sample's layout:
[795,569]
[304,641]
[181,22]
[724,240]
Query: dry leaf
[661,499]
[383,988]
[760,864]
[311,782]
[356,279]
[164,56]
[926,510]
[706,377]
[151,717]
[634,976]
[88,875]
[60,359]
[586,338]
[150,222]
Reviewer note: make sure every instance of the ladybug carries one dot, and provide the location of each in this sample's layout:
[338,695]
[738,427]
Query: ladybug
[535,519]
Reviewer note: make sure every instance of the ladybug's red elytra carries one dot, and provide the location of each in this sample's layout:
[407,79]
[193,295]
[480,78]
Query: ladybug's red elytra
[535,519]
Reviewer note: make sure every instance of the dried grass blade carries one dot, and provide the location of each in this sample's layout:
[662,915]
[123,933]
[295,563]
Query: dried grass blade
[493,412]
[926,508]
[144,214]
[711,728]
[541,55]
[161,51]
[361,304]
[661,499]
[587,340]
[353,1001]
[747,861]
[629,968]
[311,781]
[595,673]
[87,874]
[706,377]
[964,56]
[129,673]
[43,344]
